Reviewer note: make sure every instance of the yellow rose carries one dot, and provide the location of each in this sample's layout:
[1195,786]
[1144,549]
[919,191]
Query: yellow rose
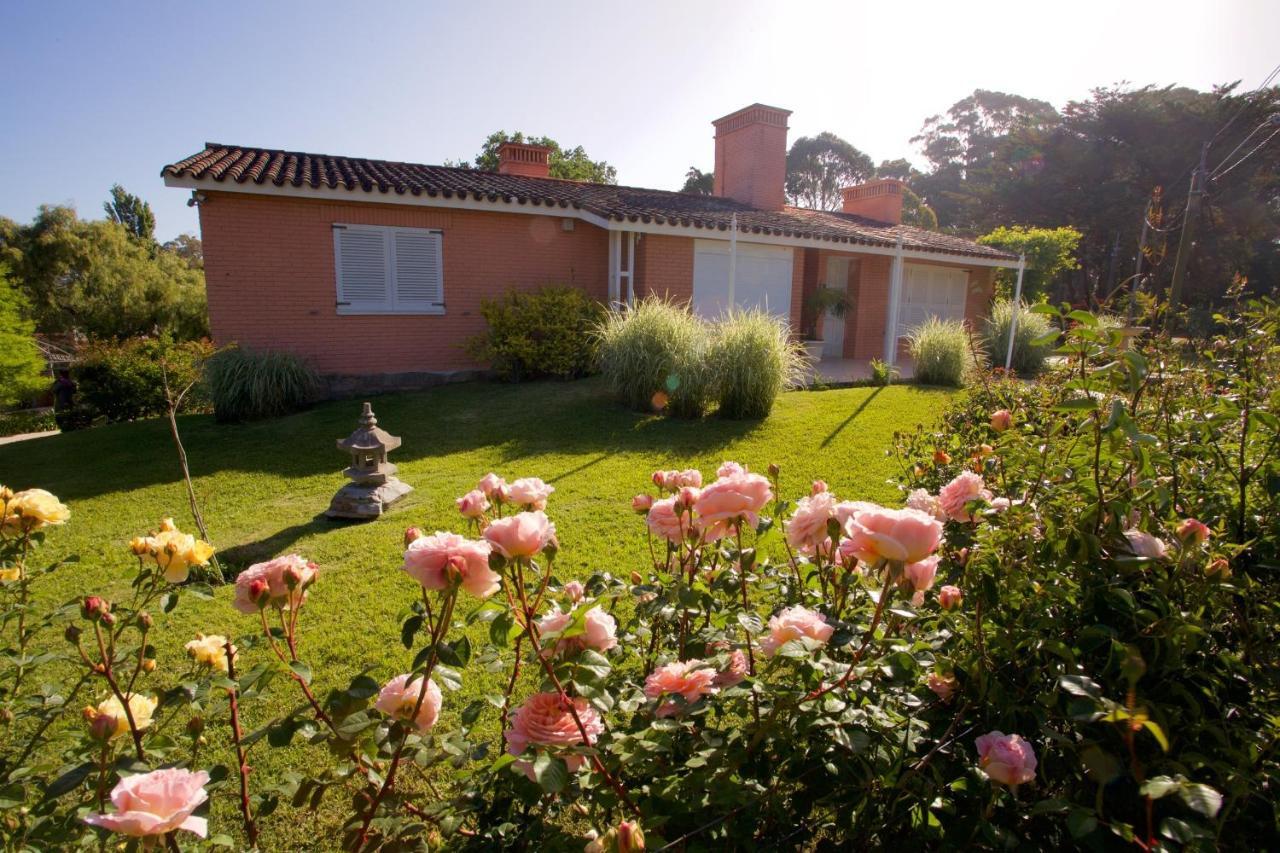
[12,574]
[142,707]
[176,552]
[33,509]
[210,651]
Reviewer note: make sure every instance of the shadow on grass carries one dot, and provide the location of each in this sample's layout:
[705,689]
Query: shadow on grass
[237,559]
[852,417]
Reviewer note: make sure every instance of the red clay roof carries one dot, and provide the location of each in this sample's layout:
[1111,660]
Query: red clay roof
[264,166]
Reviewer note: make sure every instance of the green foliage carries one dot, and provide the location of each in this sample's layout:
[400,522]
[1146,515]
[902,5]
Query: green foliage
[882,373]
[699,182]
[570,164]
[818,167]
[940,351]
[124,380]
[17,423]
[753,359]
[1028,355]
[247,384]
[131,212]
[916,212]
[22,367]
[544,333]
[654,356]
[1050,252]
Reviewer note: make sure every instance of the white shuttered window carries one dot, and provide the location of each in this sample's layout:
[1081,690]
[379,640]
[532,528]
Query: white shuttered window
[384,270]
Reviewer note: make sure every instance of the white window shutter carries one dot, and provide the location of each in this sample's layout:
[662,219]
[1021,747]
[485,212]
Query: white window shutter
[419,268]
[362,268]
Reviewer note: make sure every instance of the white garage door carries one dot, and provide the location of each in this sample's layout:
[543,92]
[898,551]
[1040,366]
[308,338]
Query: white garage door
[762,278]
[929,291]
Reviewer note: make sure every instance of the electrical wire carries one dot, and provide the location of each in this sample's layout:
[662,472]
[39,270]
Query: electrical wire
[1245,105]
[1243,142]
[1254,150]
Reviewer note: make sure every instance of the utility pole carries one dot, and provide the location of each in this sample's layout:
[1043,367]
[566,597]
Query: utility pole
[1194,196]
[1137,273]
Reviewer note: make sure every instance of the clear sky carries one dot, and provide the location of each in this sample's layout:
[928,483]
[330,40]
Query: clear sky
[104,92]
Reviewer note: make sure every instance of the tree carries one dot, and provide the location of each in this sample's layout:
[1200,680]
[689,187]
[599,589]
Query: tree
[900,169]
[1049,252]
[22,367]
[818,167]
[699,182]
[132,212]
[189,248]
[570,164]
[916,212]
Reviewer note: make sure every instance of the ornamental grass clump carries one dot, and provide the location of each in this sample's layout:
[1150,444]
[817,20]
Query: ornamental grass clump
[1028,355]
[753,359]
[940,349]
[653,355]
[247,384]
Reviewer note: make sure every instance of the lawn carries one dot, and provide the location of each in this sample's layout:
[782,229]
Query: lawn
[263,488]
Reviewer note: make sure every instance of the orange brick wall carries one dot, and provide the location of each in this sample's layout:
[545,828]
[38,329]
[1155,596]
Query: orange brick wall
[751,165]
[271,282]
[664,266]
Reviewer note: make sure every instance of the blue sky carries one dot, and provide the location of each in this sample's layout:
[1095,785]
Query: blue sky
[106,92]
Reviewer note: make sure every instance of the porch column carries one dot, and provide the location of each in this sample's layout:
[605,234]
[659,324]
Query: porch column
[615,267]
[895,297]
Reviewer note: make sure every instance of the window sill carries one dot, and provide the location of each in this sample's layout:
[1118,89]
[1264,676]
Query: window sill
[357,311]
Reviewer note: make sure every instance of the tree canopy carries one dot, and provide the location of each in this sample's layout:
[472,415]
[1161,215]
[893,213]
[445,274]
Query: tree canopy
[699,182]
[1049,252]
[570,164]
[132,212]
[22,367]
[818,167]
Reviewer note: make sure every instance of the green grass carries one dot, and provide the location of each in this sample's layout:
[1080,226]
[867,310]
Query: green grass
[264,485]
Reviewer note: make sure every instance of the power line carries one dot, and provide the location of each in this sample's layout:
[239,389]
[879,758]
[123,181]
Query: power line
[1243,142]
[1245,104]
[1255,150]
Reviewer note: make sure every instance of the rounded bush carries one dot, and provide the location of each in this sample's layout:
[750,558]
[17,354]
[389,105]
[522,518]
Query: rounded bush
[654,352]
[940,349]
[543,333]
[248,384]
[1028,358]
[753,359]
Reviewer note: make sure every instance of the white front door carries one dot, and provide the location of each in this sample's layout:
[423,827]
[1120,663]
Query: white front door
[762,278]
[929,291]
[833,326]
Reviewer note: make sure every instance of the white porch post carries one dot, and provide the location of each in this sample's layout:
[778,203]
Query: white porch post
[733,257]
[631,268]
[615,267]
[1017,309]
[895,297]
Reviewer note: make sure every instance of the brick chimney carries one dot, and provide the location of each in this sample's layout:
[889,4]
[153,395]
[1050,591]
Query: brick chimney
[879,200]
[751,156]
[529,161]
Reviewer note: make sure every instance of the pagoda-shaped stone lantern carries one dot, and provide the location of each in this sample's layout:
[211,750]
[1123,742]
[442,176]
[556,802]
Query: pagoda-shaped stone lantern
[373,485]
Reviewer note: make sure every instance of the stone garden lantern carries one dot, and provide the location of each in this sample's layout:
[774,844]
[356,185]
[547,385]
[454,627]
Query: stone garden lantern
[373,485]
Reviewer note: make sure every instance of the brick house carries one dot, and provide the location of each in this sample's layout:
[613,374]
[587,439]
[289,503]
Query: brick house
[369,267]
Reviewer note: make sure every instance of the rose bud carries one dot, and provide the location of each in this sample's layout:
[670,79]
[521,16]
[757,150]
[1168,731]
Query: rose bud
[93,607]
[950,597]
[292,577]
[411,534]
[195,725]
[629,838]
[575,591]
[1193,531]
[145,620]
[774,470]
[6,716]
[941,457]
[139,546]
[259,592]
[636,580]
[641,503]
[102,727]
[108,619]
[1001,420]
[6,494]
[1218,568]
[149,665]
[72,633]
[818,487]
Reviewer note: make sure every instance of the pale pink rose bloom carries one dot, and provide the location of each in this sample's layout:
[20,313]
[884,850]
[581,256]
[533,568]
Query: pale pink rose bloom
[966,487]
[921,575]
[943,685]
[473,504]
[1193,531]
[437,561]
[599,630]
[521,535]
[818,487]
[734,671]
[1006,759]
[665,480]
[691,477]
[156,803]
[730,498]
[921,500]
[664,521]
[641,503]
[688,496]
[1001,420]
[545,720]
[530,492]
[400,696]
[846,510]
[792,624]
[1143,544]
[728,469]
[691,679]
[950,597]
[492,485]
[1001,504]
[575,591]
[904,535]
[807,526]
[276,574]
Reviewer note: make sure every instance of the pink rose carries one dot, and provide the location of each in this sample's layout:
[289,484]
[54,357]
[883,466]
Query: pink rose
[521,535]
[690,679]
[440,560]
[687,497]
[400,696]
[285,580]
[942,685]
[156,803]
[921,575]
[574,590]
[664,521]
[545,720]
[792,624]
[818,487]
[493,486]
[734,672]
[1000,504]
[690,477]
[1193,531]
[641,503]
[1143,544]
[903,535]
[950,597]
[599,630]
[1006,759]
[473,504]
[738,496]
[846,510]
[807,527]
[921,500]
[1001,420]
[530,492]
[965,488]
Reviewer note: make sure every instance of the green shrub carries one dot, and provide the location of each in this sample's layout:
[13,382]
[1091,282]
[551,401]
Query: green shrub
[654,353]
[124,380]
[31,420]
[247,384]
[752,358]
[940,349]
[544,333]
[882,372]
[1028,359]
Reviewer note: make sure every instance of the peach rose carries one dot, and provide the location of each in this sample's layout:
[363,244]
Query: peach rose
[737,497]
[922,501]
[792,624]
[664,521]
[690,679]
[942,685]
[734,672]
[599,630]
[545,720]
[156,803]
[210,651]
[530,492]
[807,527]
[921,575]
[30,510]
[440,560]
[818,487]
[400,696]
[473,504]
[1193,531]
[493,486]
[728,469]
[1143,544]
[950,597]
[642,502]
[574,591]
[671,481]
[965,488]
[1006,759]
[904,535]
[140,707]
[283,581]
[521,535]
[1001,420]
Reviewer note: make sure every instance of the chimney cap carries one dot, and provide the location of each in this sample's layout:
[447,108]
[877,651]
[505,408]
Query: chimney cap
[764,113]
